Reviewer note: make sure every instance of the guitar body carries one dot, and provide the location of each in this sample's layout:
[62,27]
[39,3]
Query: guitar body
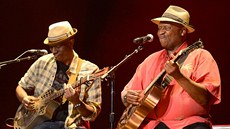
[134,115]
[25,119]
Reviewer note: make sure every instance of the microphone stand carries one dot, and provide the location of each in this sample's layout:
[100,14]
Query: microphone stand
[110,77]
[17,60]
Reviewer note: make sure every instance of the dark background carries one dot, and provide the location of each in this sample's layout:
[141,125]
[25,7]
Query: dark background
[106,29]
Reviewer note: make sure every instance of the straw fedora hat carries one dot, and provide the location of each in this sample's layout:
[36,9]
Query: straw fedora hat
[59,32]
[175,14]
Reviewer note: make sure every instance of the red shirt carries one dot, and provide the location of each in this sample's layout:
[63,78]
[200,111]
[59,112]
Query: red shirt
[176,108]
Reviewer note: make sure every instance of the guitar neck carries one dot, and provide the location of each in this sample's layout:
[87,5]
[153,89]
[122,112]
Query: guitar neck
[52,93]
[157,81]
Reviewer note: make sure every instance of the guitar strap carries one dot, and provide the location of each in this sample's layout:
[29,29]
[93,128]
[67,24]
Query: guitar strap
[73,76]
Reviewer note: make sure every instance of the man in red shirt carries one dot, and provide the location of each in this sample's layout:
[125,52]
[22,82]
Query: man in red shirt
[195,86]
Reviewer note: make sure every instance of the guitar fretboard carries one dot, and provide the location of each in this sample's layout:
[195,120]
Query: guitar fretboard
[52,93]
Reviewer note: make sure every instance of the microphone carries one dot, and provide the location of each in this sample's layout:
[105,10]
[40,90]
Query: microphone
[143,39]
[38,51]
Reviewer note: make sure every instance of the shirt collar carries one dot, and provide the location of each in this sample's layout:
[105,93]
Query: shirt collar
[169,57]
[73,65]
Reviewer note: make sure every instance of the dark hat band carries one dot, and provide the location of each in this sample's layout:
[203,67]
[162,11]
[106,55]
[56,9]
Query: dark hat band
[171,16]
[60,37]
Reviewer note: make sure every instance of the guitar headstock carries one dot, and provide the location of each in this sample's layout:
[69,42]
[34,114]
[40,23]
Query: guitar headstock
[101,72]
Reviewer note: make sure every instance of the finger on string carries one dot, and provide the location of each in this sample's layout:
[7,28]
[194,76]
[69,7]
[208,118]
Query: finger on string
[65,86]
[171,61]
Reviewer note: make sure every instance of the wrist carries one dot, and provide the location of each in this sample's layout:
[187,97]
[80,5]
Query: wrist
[23,99]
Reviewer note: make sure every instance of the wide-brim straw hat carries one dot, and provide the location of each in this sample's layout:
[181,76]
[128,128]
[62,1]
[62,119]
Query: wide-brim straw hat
[59,32]
[175,14]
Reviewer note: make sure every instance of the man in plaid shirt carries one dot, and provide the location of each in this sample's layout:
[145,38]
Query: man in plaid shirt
[78,105]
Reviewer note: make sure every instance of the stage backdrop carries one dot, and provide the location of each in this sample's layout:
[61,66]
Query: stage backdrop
[106,29]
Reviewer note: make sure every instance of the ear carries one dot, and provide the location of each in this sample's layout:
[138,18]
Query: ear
[183,32]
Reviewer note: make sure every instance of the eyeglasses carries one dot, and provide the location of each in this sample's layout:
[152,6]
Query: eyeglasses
[165,28]
[55,47]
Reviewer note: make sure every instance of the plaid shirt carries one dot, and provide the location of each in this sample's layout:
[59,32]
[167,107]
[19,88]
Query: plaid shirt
[41,74]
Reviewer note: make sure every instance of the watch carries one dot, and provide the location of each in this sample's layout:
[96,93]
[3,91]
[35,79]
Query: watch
[77,105]
[125,99]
